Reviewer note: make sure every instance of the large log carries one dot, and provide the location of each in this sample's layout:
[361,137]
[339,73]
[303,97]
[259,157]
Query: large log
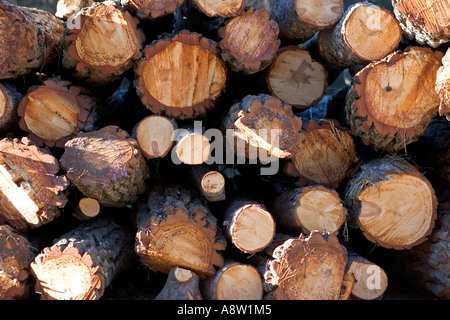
[225,8]
[29,39]
[442,86]
[151,9]
[82,263]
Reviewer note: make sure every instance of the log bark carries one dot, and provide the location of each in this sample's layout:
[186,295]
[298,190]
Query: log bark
[234,281]
[9,101]
[263,127]
[192,147]
[392,203]
[15,259]
[392,101]
[180,76]
[29,39]
[442,86]
[249,41]
[151,9]
[248,225]
[426,22]
[103,42]
[300,20]
[31,190]
[67,9]
[181,284]
[86,208]
[365,33]
[307,268]
[296,79]
[55,111]
[305,209]
[82,263]
[176,228]
[210,183]
[106,165]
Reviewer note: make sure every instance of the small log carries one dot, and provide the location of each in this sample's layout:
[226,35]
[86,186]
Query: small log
[103,42]
[326,154]
[15,259]
[192,147]
[371,280]
[248,225]
[392,203]
[307,268]
[82,263]
[67,9]
[31,191]
[249,41]
[442,86]
[180,76]
[263,126]
[155,136]
[234,281]
[295,78]
[226,9]
[424,21]
[176,228]
[9,101]
[391,102]
[29,39]
[305,209]
[181,284]
[300,20]
[210,183]
[106,165]
[54,112]
[87,208]
[365,33]
[151,9]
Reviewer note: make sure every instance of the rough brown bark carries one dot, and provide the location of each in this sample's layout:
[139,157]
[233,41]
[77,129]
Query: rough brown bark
[82,263]
[181,284]
[180,76]
[176,228]
[31,191]
[106,165]
[9,101]
[15,259]
[152,9]
[210,183]
[392,101]
[29,39]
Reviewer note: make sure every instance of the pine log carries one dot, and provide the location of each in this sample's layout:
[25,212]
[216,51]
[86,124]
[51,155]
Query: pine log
[442,86]
[249,41]
[307,268]
[176,228]
[102,43]
[29,39]
[155,136]
[326,154]
[392,101]
[9,101]
[248,225]
[82,263]
[15,259]
[151,9]
[263,126]
[192,147]
[55,111]
[106,165]
[224,8]
[365,33]
[234,281]
[295,78]
[86,208]
[427,21]
[392,203]
[305,209]
[31,190]
[210,183]
[300,19]
[181,284]
[180,76]
[67,9]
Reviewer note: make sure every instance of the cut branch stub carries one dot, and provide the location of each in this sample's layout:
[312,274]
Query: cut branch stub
[31,192]
[176,228]
[101,44]
[54,112]
[152,9]
[180,76]
[442,86]
[249,41]
[392,101]
[224,8]
[392,203]
[425,21]
[106,165]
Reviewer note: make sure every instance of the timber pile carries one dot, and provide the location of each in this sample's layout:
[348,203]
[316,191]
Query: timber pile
[189,150]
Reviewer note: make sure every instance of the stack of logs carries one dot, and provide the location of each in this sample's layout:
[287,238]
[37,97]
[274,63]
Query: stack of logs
[105,168]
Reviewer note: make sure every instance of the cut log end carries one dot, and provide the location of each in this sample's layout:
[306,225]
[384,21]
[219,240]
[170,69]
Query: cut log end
[193,149]
[152,9]
[155,136]
[321,14]
[210,183]
[65,9]
[371,280]
[226,9]
[87,208]
[181,284]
